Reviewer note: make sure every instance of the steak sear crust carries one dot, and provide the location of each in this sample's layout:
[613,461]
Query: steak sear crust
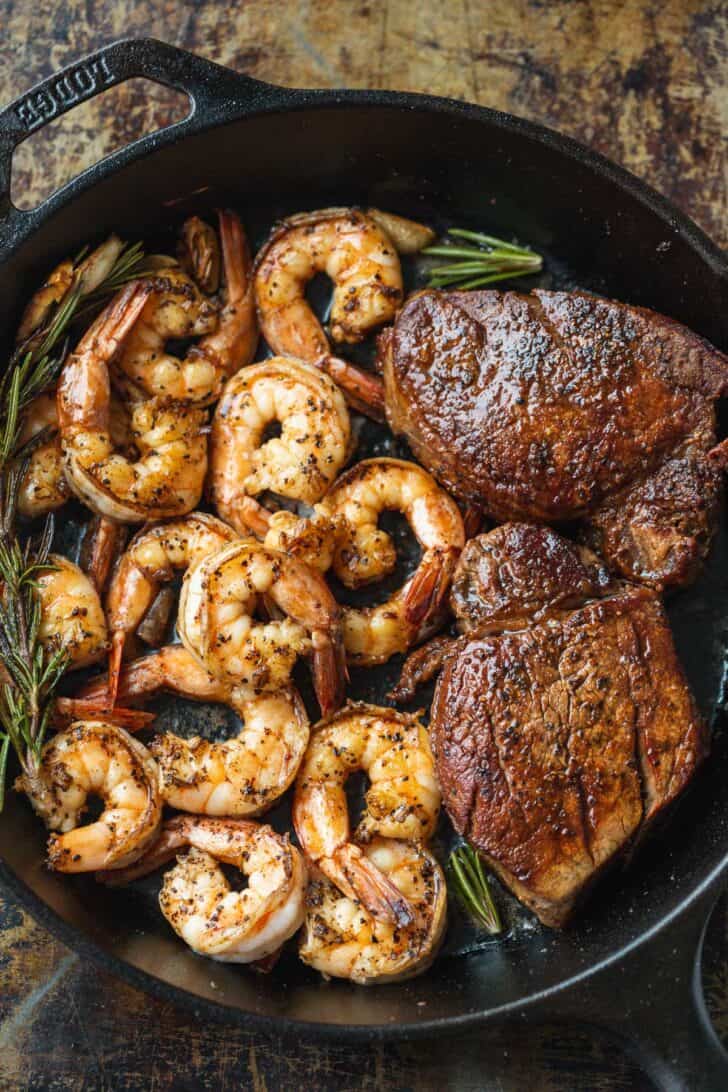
[556,741]
[517,573]
[548,406]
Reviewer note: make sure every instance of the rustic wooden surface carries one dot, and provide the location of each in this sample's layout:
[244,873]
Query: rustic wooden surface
[645,83]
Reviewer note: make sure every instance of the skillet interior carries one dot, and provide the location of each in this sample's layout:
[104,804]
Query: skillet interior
[445,166]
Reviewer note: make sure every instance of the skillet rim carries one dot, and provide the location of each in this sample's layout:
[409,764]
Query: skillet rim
[280,100]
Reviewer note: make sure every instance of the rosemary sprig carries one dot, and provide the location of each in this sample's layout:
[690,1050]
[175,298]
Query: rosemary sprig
[489,260]
[471,886]
[29,673]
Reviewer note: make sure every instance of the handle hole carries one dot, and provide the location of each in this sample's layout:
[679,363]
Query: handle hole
[68,145]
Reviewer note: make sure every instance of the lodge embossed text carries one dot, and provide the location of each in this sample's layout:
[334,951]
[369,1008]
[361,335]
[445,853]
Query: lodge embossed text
[80,83]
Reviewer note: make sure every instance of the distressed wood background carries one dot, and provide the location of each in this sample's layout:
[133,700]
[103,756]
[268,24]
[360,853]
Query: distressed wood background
[645,83]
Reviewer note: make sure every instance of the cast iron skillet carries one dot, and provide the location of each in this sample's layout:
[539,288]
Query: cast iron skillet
[633,961]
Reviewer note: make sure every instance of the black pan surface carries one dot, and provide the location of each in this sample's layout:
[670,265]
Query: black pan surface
[267,151]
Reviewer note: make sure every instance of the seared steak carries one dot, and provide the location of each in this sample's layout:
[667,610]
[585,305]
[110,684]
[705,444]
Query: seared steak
[556,740]
[514,575]
[557,406]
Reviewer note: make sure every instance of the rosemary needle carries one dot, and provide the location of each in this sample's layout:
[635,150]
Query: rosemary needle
[485,261]
[471,886]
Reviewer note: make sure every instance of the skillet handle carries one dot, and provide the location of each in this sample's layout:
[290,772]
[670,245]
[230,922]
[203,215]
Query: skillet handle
[653,1003]
[213,90]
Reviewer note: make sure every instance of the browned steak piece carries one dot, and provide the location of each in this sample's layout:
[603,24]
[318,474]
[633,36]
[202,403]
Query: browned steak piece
[562,722]
[544,739]
[560,405]
[514,575]
[658,529]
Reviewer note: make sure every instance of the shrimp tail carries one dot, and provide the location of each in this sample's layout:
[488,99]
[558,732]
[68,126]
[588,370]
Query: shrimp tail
[242,338]
[103,543]
[421,666]
[372,888]
[363,391]
[118,641]
[236,259]
[117,319]
[330,673]
[94,692]
[255,517]
[67,710]
[429,586]
[133,682]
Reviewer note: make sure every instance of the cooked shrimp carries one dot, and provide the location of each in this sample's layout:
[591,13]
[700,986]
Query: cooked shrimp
[300,463]
[177,309]
[71,615]
[167,477]
[365,553]
[403,799]
[229,926]
[348,247]
[99,759]
[216,620]
[342,940]
[240,776]
[44,487]
[57,285]
[86,275]
[152,559]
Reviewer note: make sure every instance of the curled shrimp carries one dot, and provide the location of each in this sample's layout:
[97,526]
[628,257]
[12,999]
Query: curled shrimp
[300,463]
[217,623]
[365,552]
[151,560]
[38,309]
[99,759]
[349,247]
[44,487]
[167,477]
[242,776]
[86,275]
[176,308]
[342,940]
[196,899]
[403,799]
[71,615]
[363,264]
